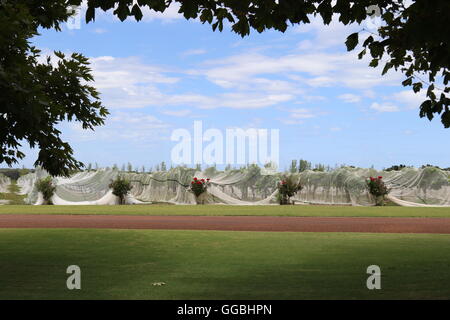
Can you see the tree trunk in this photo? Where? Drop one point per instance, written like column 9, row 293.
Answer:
column 379, row 201
column 201, row 198
column 285, row 200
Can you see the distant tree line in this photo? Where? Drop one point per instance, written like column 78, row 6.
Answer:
column 402, row 166
column 304, row 165
column 15, row 174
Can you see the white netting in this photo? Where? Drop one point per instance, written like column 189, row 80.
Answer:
column 249, row 186
column 4, row 183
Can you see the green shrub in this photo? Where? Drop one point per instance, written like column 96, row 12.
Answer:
column 120, row 188
column 46, row 187
column 287, row 188
column 378, row 189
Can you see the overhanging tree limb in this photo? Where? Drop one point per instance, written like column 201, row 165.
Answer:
column 37, row 96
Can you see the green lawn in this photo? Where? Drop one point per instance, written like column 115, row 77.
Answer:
column 224, row 210
column 124, row 264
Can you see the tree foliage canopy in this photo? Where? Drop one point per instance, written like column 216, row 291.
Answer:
column 38, row 95
column 412, row 39
column 120, row 188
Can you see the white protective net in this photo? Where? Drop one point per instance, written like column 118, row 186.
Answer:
column 4, row 183
column 248, row 186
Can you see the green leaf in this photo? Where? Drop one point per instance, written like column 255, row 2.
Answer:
column 407, row 82
column 206, row 16
column 425, row 109
column 352, row 41
column 90, row 14
column 136, row 12
column 362, row 54
column 368, row 41
column 445, row 118
column 417, row 87
column 374, row 63
column 430, row 92
column 122, row 11
column 386, row 68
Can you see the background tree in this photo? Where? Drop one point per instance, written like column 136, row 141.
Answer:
column 35, row 97
column 395, row 167
column 293, row 168
column 413, row 39
column 319, row 167
column 304, row 165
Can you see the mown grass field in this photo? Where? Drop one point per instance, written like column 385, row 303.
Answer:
column 124, row 264
column 225, row 210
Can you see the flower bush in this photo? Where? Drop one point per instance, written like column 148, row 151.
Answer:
column 287, row 188
column 46, row 187
column 378, row 189
column 198, row 186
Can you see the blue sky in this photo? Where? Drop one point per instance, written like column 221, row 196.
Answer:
column 165, row 72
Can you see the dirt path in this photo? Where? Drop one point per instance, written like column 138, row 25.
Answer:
column 232, row 223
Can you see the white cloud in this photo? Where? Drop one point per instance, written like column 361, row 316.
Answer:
column 321, row 82
column 111, row 72
column 298, row 116
column 319, row 69
column 128, row 126
column 130, row 83
column 384, row 107
column 291, row 122
column 409, row 99
column 325, row 36
column 193, row 52
column 177, row 113
column 169, row 15
column 252, row 101
column 350, row 98
column 301, row 113
column 100, row 30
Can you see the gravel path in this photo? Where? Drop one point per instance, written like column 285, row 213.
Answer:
column 231, row 223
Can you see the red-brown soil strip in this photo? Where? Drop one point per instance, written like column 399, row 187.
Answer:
column 231, row 223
